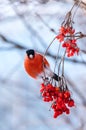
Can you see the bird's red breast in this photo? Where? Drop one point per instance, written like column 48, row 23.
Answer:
column 35, row 66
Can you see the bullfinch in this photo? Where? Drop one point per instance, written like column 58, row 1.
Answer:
column 37, row 66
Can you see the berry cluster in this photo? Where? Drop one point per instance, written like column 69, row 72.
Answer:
column 61, row 99
column 49, row 92
column 63, row 32
column 62, row 103
column 71, row 47
column 67, row 37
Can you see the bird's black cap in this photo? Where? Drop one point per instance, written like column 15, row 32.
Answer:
column 30, row 52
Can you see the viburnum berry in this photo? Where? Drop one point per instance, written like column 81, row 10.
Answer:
column 71, row 47
column 67, row 37
column 60, row 37
column 71, row 103
column 61, row 99
column 70, row 30
column 66, row 94
column 63, row 30
column 67, row 111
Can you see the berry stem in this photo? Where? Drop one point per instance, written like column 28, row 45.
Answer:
column 46, row 52
column 49, row 45
column 61, row 61
column 57, row 57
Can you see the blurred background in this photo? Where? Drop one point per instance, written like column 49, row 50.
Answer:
column 32, row 24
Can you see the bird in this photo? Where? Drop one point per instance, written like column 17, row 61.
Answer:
column 37, row 66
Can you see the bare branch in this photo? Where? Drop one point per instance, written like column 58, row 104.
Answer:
column 20, row 46
column 16, row 44
column 82, row 5
column 28, row 27
column 46, row 24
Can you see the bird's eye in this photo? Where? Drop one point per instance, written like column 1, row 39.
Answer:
column 31, row 56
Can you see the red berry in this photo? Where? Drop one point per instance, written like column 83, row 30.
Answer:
column 47, row 94
column 42, row 85
column 60, row 94
column 53, row 106
column 67, row 111
column 66, row 100
column 42, row 89
column 44, row 94
column 71, row 103
column 55, row 115
column 59, row 100
column 66, row 94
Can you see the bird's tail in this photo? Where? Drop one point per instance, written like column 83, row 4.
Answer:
column 56, row 77
column 50, row 73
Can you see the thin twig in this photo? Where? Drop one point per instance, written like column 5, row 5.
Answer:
column 57, row 57
column 20, row 47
